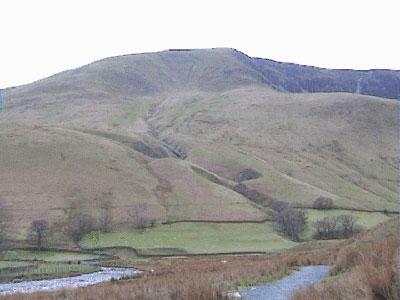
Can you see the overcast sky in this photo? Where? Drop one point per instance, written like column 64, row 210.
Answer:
column 40, row 38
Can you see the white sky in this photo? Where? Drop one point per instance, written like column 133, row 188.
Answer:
column 39, row 38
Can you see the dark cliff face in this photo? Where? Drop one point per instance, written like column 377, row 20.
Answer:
column 295, row 78
column 381, row 83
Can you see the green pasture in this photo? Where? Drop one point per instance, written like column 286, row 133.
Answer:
column 193, row 238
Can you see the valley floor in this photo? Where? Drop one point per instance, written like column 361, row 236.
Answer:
column 362, row 268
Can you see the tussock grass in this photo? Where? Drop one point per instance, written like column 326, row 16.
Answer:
column 199, row 278
column 367, row 272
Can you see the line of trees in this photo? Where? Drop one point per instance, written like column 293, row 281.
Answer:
column 290, row 221
column 79, row 223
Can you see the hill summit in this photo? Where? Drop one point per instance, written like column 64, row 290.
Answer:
column 215, row 69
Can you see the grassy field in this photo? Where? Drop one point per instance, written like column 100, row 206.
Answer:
column 13, row 264
column 49, row 256
column 50, row 268
column 194, row 238
column 50, row 264
column 127, row 257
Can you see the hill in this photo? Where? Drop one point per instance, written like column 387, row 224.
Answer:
column 195, row 135
column 216, row 69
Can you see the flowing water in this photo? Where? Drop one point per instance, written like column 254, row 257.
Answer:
column 284, row 288
column 106, row 274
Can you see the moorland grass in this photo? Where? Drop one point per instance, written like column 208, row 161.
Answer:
column 367, row 272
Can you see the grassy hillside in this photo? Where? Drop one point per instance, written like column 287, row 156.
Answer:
column 46, row 170
column 304, row 145
column 178, row 130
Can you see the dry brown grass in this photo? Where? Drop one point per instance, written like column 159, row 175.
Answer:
column 200, row 278
column 368, row 272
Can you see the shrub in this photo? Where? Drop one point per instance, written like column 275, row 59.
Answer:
column 323, row 203
column 336, row 227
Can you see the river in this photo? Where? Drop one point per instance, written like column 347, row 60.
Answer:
column 284, row 288
column 106, row 274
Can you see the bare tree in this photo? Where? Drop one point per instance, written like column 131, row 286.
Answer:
column 290, row 221
column 80, row 224
column 326, row 228
column 323, row 203
column 38, row 233
column 5, row 219
column 140, row 216
column 339, row 227
column 105, row 220
column 347, row 222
